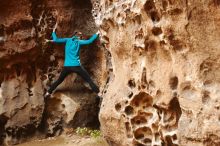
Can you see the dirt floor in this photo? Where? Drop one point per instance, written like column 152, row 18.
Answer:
column 68, row 140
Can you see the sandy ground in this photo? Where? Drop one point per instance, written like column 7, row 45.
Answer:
column 65, row 140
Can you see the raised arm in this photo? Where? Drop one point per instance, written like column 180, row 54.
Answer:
column 89, row 41
column 58, row 40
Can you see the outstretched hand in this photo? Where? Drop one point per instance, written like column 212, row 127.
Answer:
column 47, row 41
column 98, row 32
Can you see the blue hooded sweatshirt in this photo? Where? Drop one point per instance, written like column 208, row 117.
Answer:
column 72, row 48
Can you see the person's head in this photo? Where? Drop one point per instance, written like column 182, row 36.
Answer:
column 78, row 34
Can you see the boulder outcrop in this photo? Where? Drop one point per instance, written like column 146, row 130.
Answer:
column 28, row 64
column 165, row 84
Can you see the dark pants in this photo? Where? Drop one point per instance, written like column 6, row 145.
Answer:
column 75, row 69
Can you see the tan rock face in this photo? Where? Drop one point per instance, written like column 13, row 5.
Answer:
column 165, row 84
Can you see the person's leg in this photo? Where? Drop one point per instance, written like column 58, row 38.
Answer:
column 84, row 74
column 62, row 76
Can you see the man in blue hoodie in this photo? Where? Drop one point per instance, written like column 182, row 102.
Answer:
column 72, row 60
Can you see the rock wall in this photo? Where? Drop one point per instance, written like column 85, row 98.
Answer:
column 28, row 64
column 165, row 83
column 160, row 76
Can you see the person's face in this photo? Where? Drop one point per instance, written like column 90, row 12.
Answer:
column 79, row 34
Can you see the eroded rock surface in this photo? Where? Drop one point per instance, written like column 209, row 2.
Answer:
column 165, row 84
column 160, row 74
column 28, row 64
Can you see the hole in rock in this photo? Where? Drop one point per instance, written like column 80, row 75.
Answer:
column 207, row 82
column 162, row 43
column 164, row 4
column 205, row 97
column 127, row 126
column 144, row 77
column 158, row 93
column 174, row 137
column 43, row 77
column 143, row 132
column 141, row 118
column 173, row 82
column 177, row 45
column 175, row 94
column 150, row 45
column 139, row 87
column 169, row 140
column 139, row 136
column 156, row 30
column 131, row 83
column 154, row 16
column 152, row 83
column 147, row 141
column 129, row 110
column 137, row 19
column 139, row 144
column 118, row 107
column 142, row 99
column 175, row 107
column 149, row 5
column 130, row 94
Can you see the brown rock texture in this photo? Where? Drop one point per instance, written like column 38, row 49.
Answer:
column 158, row 68
column 28, row 64
column 164, row 88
